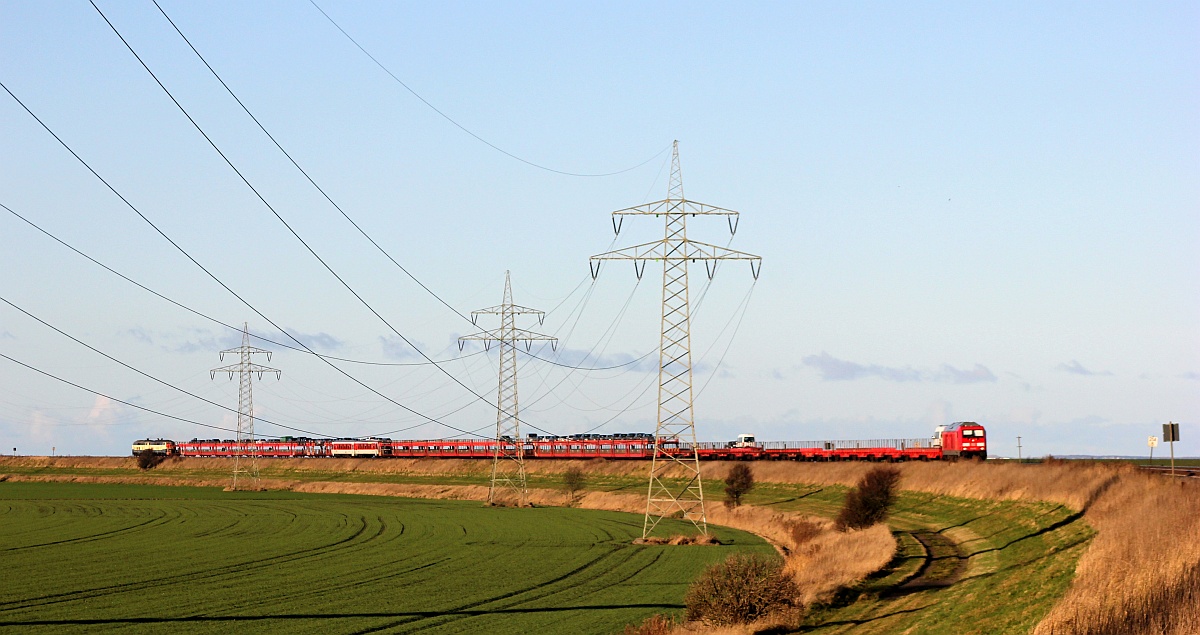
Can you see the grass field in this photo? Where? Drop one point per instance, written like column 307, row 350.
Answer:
column 1056, row 548
column 143, row 558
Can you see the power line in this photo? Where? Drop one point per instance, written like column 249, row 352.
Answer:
column 209, row 273
column 121, row 401
column 676, row 418
column 296, row 164
column 277, row 215
column 245, row 369
column 508, row 457
column 326, row 195
column 210, row 318
column 141, row 372
column 274, row 212
column 462, row 127
column 213, row 319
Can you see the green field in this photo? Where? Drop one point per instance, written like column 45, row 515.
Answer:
column 140, row 558
column 987, row 566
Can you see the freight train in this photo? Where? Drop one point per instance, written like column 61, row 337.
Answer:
column 964, row 439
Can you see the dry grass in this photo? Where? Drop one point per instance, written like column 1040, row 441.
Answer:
column 1142, row 572
column 834, row 559
column 653, row 625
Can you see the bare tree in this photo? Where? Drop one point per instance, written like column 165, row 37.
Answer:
column 574, row 481
column 738, row 483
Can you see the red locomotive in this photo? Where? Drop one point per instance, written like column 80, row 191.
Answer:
column 964, row 439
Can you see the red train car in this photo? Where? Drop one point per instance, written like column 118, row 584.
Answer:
column 963, row 439
column 271, row 448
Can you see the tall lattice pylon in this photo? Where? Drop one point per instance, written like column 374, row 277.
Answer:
column 246, row 448
column 508, row 458
column 675, row 434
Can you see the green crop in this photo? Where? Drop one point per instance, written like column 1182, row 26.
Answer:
column 84, row 557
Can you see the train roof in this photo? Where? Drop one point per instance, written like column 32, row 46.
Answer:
column 961, row 424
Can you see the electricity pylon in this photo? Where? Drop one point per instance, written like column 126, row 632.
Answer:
column 245, row 369
column 675, row 434
column 508, row 457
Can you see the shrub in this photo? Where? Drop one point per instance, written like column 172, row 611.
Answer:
column 870, row 500
column 737, row 484
column 802, row 531
column 574, row 480
column 147, row 459
column 653, row 625
column 739, row 590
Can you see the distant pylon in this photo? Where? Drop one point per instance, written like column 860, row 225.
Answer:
column 508, row 457
column 245, row 369
column 675, row 434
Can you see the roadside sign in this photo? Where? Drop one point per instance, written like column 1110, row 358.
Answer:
column 1171, row 435
column 1152, row 442
column 1170, row 432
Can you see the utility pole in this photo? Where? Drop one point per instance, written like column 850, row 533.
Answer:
column 675, row 433
column 508, row 457
column 245, row 369
column 1018, row 449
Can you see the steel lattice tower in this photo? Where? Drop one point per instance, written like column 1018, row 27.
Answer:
column 508, row 458
column 245, row 369
column 675, row 434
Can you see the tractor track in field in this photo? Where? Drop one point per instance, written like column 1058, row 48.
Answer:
column 241, row 567
column 465, row 610
column 943, row 564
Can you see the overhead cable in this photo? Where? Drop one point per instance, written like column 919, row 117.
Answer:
column 338, row 207
column 141, row 372
column 121, row 401
column 278, row 216
column 213, row 319
column 462, row 127
column 209, row 273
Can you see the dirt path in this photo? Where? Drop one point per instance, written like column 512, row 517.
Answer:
column 943, row 566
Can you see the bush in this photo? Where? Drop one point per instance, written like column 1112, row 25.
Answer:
column 739, row 590
column 802, row 531
column 147, row 459
column 653, row 625
column 870, row 500
column 574, row 480
column 738, row 483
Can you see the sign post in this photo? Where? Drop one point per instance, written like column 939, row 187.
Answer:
column 1171, row 435
column 1153, row 443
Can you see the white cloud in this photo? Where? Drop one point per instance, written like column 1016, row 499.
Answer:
column 834, row 369
column 1075, row 368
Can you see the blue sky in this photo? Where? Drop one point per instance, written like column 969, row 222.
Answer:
column 981, row 212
